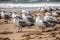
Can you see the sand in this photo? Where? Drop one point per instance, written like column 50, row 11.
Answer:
column 9, row 32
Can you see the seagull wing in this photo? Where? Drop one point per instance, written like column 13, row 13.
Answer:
column 22, row 23
column 52, row 19
column 7, row 16
column 46, row 23
column 30, row 18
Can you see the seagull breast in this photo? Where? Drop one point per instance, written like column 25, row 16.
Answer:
column 39, row 22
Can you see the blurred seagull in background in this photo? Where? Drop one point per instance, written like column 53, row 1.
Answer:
column 42, row 23
column 27, row 17
column 56, row 13
column 41, row 9
column 14, row 14
column 53, row 8
column 5, row 16
column 50, row 18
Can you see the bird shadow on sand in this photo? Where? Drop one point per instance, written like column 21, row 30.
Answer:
column 6, row 32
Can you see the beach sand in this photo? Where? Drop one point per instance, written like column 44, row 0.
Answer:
column 9, row 32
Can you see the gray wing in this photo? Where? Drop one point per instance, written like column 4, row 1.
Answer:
column 7, row 16
column 22, row 23
column 52, row 20
column 46, row 23
column 19, row 17
column 30, row 18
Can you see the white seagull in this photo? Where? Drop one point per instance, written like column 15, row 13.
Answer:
column 27, row 17
column 13, row 15
column 48, row 8
column 18, row 21
column 42, row 9
column 5, row 16
column 50, row 18
column 40, row 22
column 56, row 13
column 53, row 8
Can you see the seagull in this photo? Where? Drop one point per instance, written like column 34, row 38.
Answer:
column 42, row 9
column 27, row 17
column 18, row 21
column 2, row 14
column 56, row 13
column 5, row 16
column 40, row 22
column 53, row 8
column 50, row 18
column 14, row 14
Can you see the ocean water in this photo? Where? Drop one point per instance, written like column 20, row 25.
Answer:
column 27, row 1
column 27, row 4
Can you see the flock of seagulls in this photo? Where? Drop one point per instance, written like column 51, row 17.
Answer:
column 27, row 19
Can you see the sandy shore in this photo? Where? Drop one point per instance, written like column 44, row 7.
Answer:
column 9, row 32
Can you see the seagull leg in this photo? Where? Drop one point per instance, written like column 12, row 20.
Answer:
column 43, row 28
column 19, row 29
column 40, row 29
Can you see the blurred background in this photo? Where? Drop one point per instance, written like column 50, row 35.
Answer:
column 27, row 1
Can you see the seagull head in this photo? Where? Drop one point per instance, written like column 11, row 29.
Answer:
column 39, row 16
column 24, row 11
